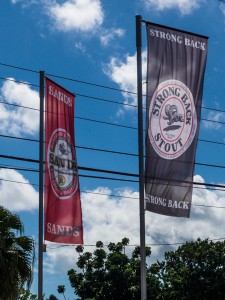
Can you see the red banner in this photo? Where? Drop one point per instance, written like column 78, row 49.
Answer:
column 63, row 216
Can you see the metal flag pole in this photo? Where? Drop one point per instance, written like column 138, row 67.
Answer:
column 141, row 157
column 41, row 155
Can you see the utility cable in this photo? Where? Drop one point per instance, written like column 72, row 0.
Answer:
column 50, row 246
column 102, row 150
column 87, row 83
column 69, row 79
column 111, row 195
column 103, row 171
column 76, row 94
column 111, row 152
column 77, row 117
column 102, row 122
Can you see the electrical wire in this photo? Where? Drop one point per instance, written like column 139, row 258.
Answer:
column 89, row 83
column 110, row 123
column 105, row 150
column 135, row 245
column 103, row 171
column 76, row 117
column 20, row 82
column 111, row 195
column 69, row 79
column 78, row 147
column 76, row 94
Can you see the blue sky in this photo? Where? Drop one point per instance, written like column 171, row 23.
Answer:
column 93, row 41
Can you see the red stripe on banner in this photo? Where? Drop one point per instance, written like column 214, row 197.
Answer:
column 63, row 216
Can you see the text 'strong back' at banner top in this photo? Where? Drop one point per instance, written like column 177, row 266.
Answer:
column 175, row 74
column 63, row 216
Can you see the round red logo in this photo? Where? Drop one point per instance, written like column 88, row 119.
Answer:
column 172, row 119
column 62, row 164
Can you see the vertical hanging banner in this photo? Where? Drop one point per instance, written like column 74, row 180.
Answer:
column 175, row 75
column 63, row 216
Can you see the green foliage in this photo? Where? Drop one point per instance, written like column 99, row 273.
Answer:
column 26, row 295
column 109, row 274
column 16, row 256
column 195, row 270
column 61, row 290
column 52, row 297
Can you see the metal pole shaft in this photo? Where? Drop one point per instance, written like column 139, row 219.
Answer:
column 141, row 157
column 41, row 160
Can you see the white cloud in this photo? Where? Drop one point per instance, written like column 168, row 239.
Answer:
column 109, row 35
column 59, row 259
column 114, row 217
column 14, row 119
column 80, row 15
column 184, row 6
column 25, row 3
column 16, row 196
column 222, row 8
column 124, row 73
column 105, row 218
column 80, row 46
column 216, row 118
column 109, row 219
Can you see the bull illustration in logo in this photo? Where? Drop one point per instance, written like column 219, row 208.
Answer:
column 172, row 115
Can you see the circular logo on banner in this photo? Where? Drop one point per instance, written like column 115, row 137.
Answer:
column 172, row 119
column 62, row 164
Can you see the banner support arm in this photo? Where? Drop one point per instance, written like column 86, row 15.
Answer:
column 141, row 156
column 41, row 162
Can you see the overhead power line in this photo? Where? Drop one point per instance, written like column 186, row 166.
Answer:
column 99, row 121
column 76, row 94
column 19, row 81
column 87, row 83
column 76, row 117
column 69, row 79
column 105, row 151
column 103, row 171
column 51, row 247
column 110, row 195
